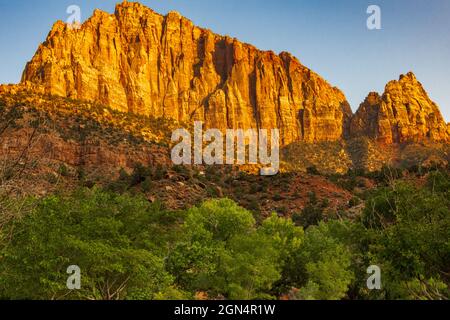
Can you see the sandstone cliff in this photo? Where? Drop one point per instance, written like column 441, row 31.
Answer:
column 404, row 113
column 139, row 61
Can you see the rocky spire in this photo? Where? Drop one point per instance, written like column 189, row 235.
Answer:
column 403, row 113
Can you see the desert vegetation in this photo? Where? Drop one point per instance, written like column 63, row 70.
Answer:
column 129, row 248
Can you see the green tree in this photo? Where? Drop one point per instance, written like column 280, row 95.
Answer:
column 326, row 263
column 287, row 240
column 106, row 235
column 223, row 254
column 413, row 247
column 312, row 213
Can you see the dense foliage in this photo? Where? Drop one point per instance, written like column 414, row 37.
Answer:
column 128, row 248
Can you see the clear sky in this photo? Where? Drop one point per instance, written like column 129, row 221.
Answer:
column 328, row 36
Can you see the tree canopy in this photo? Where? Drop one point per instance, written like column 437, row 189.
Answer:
column 128, row 248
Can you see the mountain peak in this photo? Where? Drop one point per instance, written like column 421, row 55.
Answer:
column 403, row 113
column 410, row 76
column 142, row 62
column 139, row 61
column 127, row 7
column 373, row 97
column 130, row 4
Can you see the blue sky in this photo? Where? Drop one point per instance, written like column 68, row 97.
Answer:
column 329, row 36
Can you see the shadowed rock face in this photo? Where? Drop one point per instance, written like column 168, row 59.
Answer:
column 404, row 113
column 139, row 61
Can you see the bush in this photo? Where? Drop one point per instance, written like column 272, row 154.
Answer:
column 147, row 185
column 312, row 171
column 223, row 254
column 277, row 197
column 139, row 175
column 412, row 224
column 106, row 235
column 220, row 250
column 312, row 213
column 326, row 263
column 159, row 173
column 63, row 171
column 355, row 201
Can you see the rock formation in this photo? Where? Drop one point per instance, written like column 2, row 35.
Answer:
column 404, row 113
column 139, row 61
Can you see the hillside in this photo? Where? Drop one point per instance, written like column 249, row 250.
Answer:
column 87, row 178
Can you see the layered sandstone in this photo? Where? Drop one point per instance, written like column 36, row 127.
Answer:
column 404, row 113
column 136, row 60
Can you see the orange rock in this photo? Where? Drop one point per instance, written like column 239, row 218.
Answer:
column 139, row 61
column 404, row 113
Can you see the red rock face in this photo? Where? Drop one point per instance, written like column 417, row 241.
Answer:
column 139, row 61
column 136, row 60
column 404, row 113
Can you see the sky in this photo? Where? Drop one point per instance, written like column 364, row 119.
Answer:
column 329, row 36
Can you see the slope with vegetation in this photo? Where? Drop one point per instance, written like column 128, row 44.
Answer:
column 128, row 248
column 90, row 182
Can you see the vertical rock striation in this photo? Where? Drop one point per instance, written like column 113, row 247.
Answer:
column 404, row 113
column 139, row 61
column 136, row 60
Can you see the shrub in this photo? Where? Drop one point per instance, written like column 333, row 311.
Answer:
column 106, row 235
